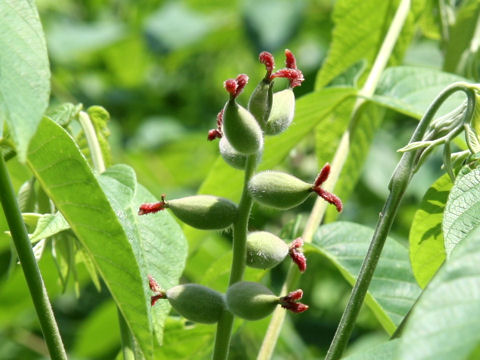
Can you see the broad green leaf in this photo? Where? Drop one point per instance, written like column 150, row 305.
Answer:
column 311, row 110
column 410, row 90
column 393, row 289
column 444, row 323
column 65, row 176
column 385, row 351
column 427, row 251
column 25, row 77
column 460, row 36
column 463, row 208
column 156, row 239
column 360, row 27
column 49, row 225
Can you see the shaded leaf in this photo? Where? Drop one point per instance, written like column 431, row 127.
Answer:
column 427, row 251
column 25, row 72
column 385, row 351
column 69, row 182
column 393, row 289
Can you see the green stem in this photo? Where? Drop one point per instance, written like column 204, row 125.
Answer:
column 127, row 339
column 398, row 184
column 29, row 265
column 341, row 154
column 240, row 229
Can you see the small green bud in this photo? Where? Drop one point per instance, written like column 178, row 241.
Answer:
column 196, row 302
column 282, row 113
column 204, row 211
column 278, row 189
column 265, row 250
column 250, row 300
column 241, row 129
column 260, row 102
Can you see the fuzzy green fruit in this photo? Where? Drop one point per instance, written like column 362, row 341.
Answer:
column 282, row 113
column 241, row 129
column 196, row 302
column 265, row 250
column 204, row 211
column 260, row 102
column 232, row 157
column 250, row 300
column 278, row 189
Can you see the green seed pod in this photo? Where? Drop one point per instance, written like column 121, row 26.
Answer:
column 265, row 250
column 204, row 211
column 196, row 302
column 282, row 113
column 241, row 129
column 250, row 300
column 260, row 102
column 278, row 189
column 232, row 157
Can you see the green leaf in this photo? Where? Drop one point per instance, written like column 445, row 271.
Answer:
column 360, row 28
column 444, row 323
column 427, row 251
column 49, row 225
column 25, row 72
column 410, row 90
column 64, row 114
column 385, row 351
column 69, row 182
column 462, row 209
column 393, row 289
column 156, row 239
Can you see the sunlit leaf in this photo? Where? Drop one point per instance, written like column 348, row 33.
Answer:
column 25, row 76
column 427, row 251
column 69, row 182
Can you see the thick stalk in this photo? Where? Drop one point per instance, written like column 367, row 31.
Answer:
column 240, row 230
column 340, row 157
column 29, row 265
column 397, row 186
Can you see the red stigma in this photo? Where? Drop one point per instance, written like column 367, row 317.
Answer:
column 290, row 61
column 289, row 302
column 324, row 194
column 297, row 255
column 236, row 86
column 160, row 294
column 294, row 75
column 267, row 59
column 151, row 208
column 216, row 133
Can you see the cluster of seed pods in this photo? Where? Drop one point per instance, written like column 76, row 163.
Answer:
column 241, row 132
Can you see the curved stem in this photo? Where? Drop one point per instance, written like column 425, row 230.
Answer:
column 29, row 265
column 398, row 184
column 240, row 230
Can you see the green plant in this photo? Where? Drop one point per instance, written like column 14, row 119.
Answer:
column 74, row 224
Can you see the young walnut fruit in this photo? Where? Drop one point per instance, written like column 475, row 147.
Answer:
column 250, row 300
column 265, row 250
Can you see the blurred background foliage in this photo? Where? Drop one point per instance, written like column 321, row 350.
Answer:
column 158, row 67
